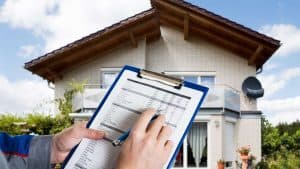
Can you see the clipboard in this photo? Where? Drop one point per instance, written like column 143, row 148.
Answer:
column 158, row 78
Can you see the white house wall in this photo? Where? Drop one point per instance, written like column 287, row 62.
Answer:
column 90, row 71
column 170, row 53
column 173, row 53
column 248, row 131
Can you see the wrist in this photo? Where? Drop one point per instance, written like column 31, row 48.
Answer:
column 53, row 159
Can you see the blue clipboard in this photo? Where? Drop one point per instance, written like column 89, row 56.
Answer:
column 137, row 70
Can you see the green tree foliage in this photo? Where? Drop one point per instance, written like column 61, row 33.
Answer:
column 65, row 103
column 280, row 146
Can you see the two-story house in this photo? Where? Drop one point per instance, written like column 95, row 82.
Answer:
column 182, row 40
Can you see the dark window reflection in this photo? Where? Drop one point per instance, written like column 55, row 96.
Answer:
column 179, row 158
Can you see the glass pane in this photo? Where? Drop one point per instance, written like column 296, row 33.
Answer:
column 179, row 158
column 193, row 79
column 208, row 80
column 197, row 145
column 108, row 78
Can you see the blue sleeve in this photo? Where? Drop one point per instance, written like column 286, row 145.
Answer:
column 17, row 145
column 26, row 151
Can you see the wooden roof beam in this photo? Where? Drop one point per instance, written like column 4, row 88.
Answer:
column 255, row 55
column 209, row 22
column 170, row 20
column 53, row 74
column 186, row 26
column 83, row 60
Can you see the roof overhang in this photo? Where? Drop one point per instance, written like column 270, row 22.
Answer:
column 127, row 32
column 195, row 21
column 191, row 20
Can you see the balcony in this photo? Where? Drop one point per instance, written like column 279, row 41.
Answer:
column 89, row 99
column 219, row 96
column 222, row 96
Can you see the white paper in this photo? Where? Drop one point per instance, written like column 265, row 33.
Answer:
column 129, row 98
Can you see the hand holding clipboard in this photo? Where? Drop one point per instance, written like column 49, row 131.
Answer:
column 132, row 92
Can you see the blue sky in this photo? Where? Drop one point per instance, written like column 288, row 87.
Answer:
column 27, row 30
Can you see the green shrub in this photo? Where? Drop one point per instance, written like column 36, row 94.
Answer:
column 39, row 123
column 33, row 124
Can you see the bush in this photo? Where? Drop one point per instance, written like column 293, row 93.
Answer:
column 33, row 124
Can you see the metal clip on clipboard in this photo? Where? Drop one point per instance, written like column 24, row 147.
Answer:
column 167, row 80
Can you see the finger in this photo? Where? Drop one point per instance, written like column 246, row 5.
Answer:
column 90, row 133
column 164, row 134
column 156, row 126
column 143, row 121
column 169, row 147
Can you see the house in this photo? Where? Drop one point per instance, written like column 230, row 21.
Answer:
column 182, row 40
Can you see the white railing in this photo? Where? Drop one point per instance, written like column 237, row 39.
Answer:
column 222, row 96
column 89, row 98
column 219, row 96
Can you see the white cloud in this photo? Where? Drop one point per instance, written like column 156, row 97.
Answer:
column 29, row 51
column 274, row 82
column 56, row 22
column 270, row 66
column 59, row 22
column 289, row 36
column 24, row 96
column 281, row 110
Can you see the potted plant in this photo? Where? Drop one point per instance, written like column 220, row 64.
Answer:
column 244, row 155
column 221, row 164
column 251, row 160
column 244, row 151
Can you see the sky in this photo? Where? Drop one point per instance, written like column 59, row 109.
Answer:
column 29, row 28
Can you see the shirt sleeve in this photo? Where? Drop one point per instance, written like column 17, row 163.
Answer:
column 40, row 152
column 26, row 151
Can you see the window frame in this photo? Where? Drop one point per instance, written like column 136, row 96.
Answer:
column 192, row 73
column 104, row 70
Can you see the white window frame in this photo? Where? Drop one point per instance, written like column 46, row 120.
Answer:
column 107, row 70
column 188, row 73
column 198, row 119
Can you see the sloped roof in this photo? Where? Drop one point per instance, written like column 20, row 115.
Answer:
column 191, row 19
column 223, row 20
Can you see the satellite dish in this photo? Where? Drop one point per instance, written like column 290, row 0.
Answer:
column 252, row 88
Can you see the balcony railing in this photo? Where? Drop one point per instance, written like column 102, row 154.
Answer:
column 219, row 96
column 89, row 99
column 222, row 96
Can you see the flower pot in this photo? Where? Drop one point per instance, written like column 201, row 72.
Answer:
column 244, row 157
column 244, row 154
column 221, row 166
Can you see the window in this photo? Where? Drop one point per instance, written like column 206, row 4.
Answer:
column 108, row 76
column 207, row 80
column 194, row 152
column 204, row 80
